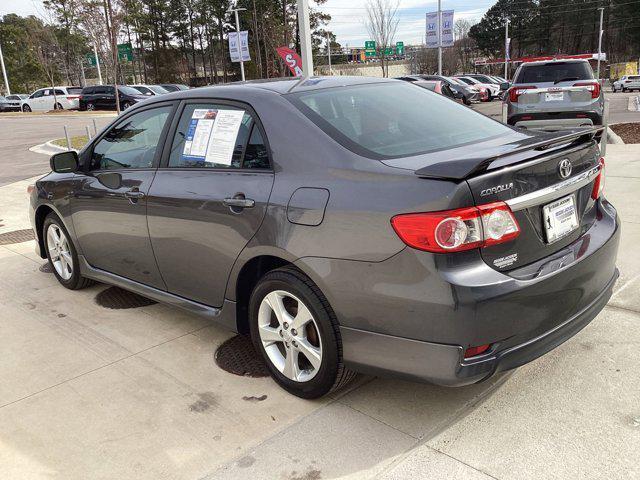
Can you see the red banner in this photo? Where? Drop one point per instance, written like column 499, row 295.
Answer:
column 292, row 59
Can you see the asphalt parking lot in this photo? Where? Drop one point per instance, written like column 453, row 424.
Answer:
column 90, row 392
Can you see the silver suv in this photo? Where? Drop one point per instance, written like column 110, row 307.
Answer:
column 555, row 95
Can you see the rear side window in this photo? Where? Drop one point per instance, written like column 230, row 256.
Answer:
column 634, row 78
column 88, row 91
column 217, row 136
column 554, row 72
column 395, row 119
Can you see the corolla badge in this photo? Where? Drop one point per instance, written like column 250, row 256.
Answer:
column 497, row 189
column 564, row 168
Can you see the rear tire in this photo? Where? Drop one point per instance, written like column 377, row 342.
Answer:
column 296, row 331
column 90, row 107
column 58, row 106
column 62, row 254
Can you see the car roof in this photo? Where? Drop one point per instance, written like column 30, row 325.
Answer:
column 555, row 60
column 298, row 84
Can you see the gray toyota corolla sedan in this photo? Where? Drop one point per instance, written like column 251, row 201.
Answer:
column 347, row 224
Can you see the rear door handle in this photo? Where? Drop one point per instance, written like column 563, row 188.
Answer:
column 239, row 202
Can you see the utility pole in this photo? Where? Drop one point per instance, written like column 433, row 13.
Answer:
column 95, row 54
column 114, row 48
column 439, row 37
column 305, row 38
column 4, row 72
column 600, row 42
column 236, row 10
column 329, row 52
column 506, row 48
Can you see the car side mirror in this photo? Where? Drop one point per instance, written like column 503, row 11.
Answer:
column 65, row 162
column 504, row 86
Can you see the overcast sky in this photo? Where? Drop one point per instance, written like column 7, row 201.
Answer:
column 347, row 16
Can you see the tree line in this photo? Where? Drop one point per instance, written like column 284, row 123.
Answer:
column 182, row 41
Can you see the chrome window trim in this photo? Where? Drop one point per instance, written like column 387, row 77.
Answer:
column 554, row 191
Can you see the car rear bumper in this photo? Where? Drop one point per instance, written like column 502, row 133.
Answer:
column 414, row 314
column 442, row 364
column 555, row 120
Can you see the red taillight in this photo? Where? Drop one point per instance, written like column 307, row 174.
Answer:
column 515, row 92
column 72, row 97
column 598, row 185
column 473, row 351
column 594, row 88
column 457, row 230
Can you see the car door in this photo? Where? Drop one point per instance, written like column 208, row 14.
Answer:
column 46, row 102
column 209, row 196
column 109, row 203
column 34, row 100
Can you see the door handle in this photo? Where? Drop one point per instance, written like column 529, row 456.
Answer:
column 239, row 201
column 134, row 195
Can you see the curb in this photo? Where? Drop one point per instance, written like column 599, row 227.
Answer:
column 48, row 148
column 613, row 137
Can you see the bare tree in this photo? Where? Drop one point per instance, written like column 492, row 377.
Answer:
column 382, row 24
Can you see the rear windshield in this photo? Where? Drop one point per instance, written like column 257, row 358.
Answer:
column 74, row 90
column 554, row 72
column 395, row 119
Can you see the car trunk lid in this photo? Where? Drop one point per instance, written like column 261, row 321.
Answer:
column 532, row 176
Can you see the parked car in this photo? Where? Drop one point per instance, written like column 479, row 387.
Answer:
column 492, row 89
column 102, row 97
column 468, row 94
column 484, row 78
column 150, row 90
column 434, row 86
column 398, row 233
column 57, row 98
column 17, row 97
column 554, row 95
column 626, row 83
column 174, row 87
column 9, row 105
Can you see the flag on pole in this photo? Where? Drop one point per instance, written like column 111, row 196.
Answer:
column 292, row 59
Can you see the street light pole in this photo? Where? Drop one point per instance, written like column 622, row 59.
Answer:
column 329, row 52
column 114, row 48
column 439, row 37
column 506, row 48
column 239, row 48
column 4, row 72
column 305, row 38
column 95, row 54
column 600, row 42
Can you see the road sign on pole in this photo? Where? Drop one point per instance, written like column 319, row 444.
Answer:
column 369, row 48
column 125, row 52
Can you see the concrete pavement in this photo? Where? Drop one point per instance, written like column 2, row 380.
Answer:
column 19, row 132
column 92, row 393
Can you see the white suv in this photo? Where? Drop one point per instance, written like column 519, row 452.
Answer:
column 628, row 82
column 56, row 98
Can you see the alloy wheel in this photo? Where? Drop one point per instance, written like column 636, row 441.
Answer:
column 59, row 251
column 290, row 336
column 90, row 107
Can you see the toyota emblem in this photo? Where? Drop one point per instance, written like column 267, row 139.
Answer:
column 564, row 168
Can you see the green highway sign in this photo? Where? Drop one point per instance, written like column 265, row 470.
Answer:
column 370, row 48
column 125, row 52
column 388, row 51
column 399, row 48
column 90, row 59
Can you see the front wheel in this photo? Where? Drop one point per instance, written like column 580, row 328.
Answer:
column 296, row 331
column 62, row 254
column 26, row 108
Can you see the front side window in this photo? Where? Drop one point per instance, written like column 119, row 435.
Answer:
column 132, row 143
column 217, row 136
column 394, row 119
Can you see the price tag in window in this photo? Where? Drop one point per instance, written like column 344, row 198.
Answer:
column 211, row 135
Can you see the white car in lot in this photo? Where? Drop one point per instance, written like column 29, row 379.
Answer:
column 626, row 83
column 56, row 98
column 492, row 88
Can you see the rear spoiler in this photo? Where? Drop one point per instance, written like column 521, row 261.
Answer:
column 466, row 167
